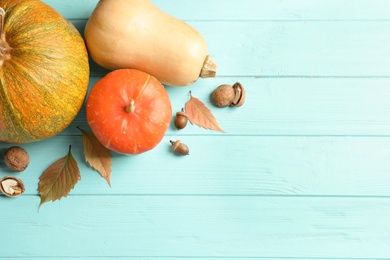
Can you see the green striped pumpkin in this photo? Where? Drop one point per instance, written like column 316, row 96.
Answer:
column 44, row 71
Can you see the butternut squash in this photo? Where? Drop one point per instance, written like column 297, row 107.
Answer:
column 136, row 34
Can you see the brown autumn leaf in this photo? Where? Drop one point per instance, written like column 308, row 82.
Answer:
column 200, row 115
column 97, row 155
column 58, row 179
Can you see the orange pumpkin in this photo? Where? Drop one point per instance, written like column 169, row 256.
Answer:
column 44, row 71
column 129, row 111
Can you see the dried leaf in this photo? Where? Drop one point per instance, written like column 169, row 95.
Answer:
column 200, row 115
column 97, row 155
column 57, row 181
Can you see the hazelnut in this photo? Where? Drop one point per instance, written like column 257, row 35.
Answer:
column 11, row 186
column 181, row 119
column 223, row 95
column 16, row 158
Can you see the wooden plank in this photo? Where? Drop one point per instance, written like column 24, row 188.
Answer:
column 302, row 171
column 287, row 106
column 73, row 9
column 232, row 165
column 294, row 49
column 193, row 226
column 299, row 49
column 297, row 10
column 188, row 258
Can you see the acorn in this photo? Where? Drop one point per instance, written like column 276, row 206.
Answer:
column 180, row 148
column 181, row 119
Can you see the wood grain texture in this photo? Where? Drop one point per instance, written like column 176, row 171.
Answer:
column 221, row 227
column 238, row 165
column 302, row 172
column 297, row 10
column 288, row 106
column 293, row 48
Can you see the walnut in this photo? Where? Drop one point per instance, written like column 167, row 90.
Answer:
column 11, row 186
column 16, row 158
column 223, row 95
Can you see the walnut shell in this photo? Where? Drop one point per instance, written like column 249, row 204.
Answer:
column 11, row 186
column 223, row 95
column 239, row 97
column 16, row 158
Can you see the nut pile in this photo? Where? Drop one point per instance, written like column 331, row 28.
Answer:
column 223, row 96
column 17, row 159
column 227, row 95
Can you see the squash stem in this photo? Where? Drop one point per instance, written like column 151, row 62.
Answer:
column 5, row 49
column 130, row 107
column 209, row 69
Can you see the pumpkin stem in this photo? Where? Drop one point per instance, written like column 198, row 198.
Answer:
column 130, row 107
column 5, row 49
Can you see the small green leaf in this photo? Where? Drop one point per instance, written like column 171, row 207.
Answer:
column 58, row 179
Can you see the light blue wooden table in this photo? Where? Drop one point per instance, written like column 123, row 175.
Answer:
column 302, row 172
